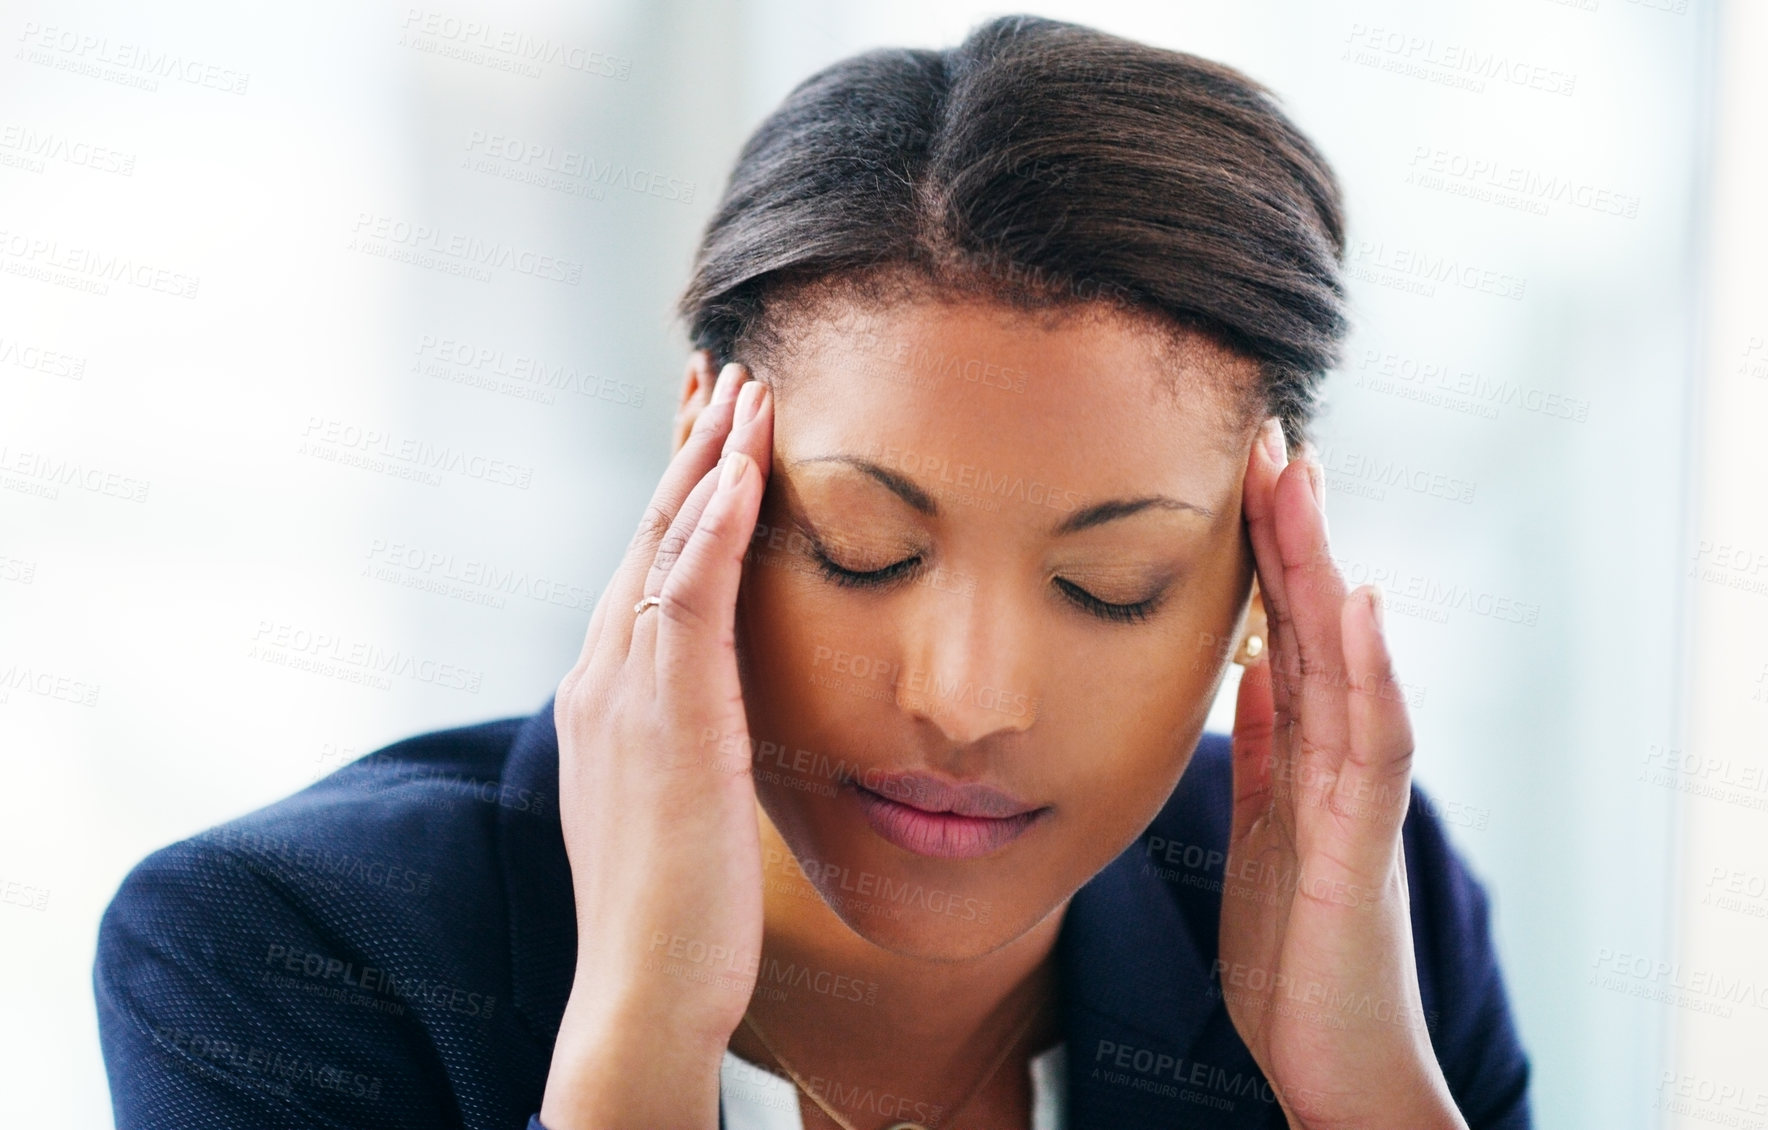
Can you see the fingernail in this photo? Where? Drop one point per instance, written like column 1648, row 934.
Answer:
column 1317, row 480
column 1377, row 605
column 727, row 380
column 1273, row 430
column 735, row 463
column 749, row 401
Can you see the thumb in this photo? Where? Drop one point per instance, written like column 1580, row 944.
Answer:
column 1254, row 730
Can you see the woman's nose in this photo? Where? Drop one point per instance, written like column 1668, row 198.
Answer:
column 968, row 665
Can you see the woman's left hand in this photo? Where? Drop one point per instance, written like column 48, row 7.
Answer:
column 1316, row 964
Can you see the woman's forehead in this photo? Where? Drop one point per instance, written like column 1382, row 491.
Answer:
column 971, row 398
column 974, row 371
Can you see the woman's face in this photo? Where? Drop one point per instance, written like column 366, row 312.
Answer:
column 1058, row 571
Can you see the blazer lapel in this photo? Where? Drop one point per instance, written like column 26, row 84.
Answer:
column 1136, row 991
column 537, row 883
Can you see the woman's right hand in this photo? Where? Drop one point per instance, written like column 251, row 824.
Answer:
column 657, row 800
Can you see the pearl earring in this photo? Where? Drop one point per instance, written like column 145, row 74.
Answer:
column 1250, row 650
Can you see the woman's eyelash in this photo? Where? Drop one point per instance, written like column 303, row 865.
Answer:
column 853, row 579
column 1104, row 610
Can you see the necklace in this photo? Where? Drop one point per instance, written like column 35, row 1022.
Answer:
column 1001, row 1058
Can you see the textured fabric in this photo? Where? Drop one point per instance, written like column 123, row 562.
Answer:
column 393, row 947
column 753, row 1098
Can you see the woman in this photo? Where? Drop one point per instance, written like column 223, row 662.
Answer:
column 879, row 794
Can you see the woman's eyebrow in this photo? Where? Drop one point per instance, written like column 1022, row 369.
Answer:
column 1085, row 518
column 1101, row 512
column 901, row 487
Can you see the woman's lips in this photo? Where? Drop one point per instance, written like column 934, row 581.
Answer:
column 924, row 815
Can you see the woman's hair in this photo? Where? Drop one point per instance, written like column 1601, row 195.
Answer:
column 1044, row 165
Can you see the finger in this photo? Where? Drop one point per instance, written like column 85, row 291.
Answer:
column 745, row 436
column 1251, row 749
column 686, row 519
column 1263, row 471
column 707, row 431
column 1315, row 594
column 1262, row 468
column 695, row 625
column 610, row 626
column 1376, row 778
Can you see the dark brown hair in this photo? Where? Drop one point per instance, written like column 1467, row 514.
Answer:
column 1039, row 164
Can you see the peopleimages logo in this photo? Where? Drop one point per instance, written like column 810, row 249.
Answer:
column 391, row 986
column 328, row 438
column 522, row 375
column 575, row 166
column 475, row 41
column 1484, row 175
column 97, row 57
column 1419, row 271
column 377, row 233
column 281, row 642
column 1453, row 64
column 47, row 361
column 30, row 148
column 43, row 474
column 86, row 268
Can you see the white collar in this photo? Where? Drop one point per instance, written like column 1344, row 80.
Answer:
column 754, row 1098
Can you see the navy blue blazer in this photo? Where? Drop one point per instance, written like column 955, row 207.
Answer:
column 393, row 945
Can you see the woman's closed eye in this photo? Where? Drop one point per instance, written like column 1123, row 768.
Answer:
column 1079, row 597
column 855, row 578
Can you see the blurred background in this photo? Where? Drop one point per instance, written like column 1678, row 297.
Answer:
column 340, row 330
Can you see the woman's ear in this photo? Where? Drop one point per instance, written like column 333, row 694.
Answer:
column 1253, row 641
column 696, row 393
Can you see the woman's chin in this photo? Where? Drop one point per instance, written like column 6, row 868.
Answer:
column 912, row 905
column 923, row 935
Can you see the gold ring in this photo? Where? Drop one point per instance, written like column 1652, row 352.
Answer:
column 647, row 602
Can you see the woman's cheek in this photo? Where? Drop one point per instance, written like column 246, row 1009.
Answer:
column 1148, row 707
column 795, row 627
column 766, row 611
